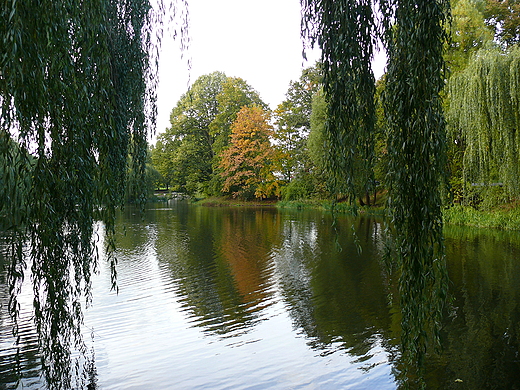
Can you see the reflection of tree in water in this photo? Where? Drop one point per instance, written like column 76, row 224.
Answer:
column 225, row 264
column 336, row 296
column 481, row 340
column 247, row 250
column 221, row 264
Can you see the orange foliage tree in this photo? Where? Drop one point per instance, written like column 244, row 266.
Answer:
column 250, row 162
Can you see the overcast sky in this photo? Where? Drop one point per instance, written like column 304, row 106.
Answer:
column 258, row 41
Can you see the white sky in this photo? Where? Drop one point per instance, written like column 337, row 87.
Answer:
column 258, row 41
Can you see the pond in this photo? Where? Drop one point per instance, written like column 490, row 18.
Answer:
column 260, row 298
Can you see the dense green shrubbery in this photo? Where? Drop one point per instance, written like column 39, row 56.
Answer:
column 297, row 189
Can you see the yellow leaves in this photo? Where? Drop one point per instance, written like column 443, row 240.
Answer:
column 247, row 163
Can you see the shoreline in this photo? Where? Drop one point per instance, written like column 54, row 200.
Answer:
column 503, row 217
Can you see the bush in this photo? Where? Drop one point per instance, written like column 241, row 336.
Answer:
column 297, row 189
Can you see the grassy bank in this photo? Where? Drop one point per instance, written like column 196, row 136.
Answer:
column 327, row 205
column 231, row 202
column 504, row 217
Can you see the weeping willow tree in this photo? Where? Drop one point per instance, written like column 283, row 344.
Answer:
column 77, row 93
column 417, row 160
column 414, row 35
column 484, row 118
column 345, row 32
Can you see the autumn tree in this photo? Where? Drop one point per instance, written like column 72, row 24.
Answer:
column 187, row 154
column 248, row 163
column 236, row 93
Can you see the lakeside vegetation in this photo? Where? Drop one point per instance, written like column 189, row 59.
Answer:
column 437, row 134
column 504, row 217
column 225, row 142
column 84, row 113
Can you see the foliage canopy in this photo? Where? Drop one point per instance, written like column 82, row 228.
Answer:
column 484, row 118
column 504, row 17
column 77, row 92
column 188, row 153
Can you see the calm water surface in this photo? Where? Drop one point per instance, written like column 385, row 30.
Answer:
column 256, row 298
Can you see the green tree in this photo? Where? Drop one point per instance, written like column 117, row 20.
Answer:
column 161, row 154
column 77, row 88
column 484, row 118
column 469, row 33
column 248, row 164
column 236, row 93
column 184, row 153
column 292, row 122
column 316, row 142
column 504, row 17
column 317, row 145
column 136, row 186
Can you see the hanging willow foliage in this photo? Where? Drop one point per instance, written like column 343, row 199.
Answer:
column 345, row 32
column 77, row 93
column 417, row 155
column 484, row 116
column 414, row 35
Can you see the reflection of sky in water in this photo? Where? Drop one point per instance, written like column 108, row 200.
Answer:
column 171, row 321
column 236, row 298
column 28, row 337
column 153, row 339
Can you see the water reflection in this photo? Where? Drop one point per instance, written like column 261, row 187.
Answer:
column 28, row 344
column 235, row 268
column 242, row 297
column 222, row 270
column 337, row 297
column 481, row 339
